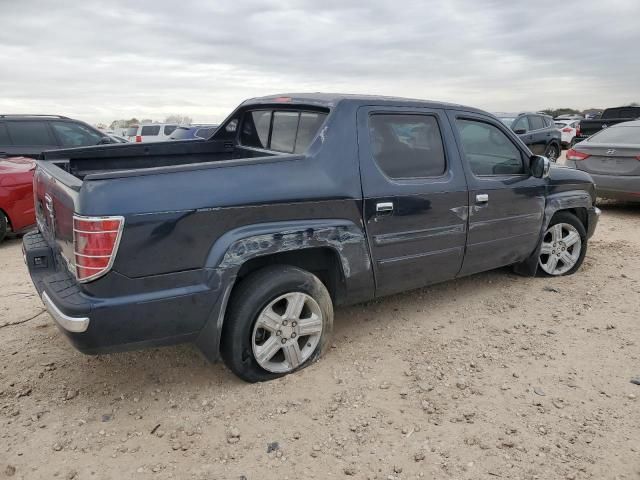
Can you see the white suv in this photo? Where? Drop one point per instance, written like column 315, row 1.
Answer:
column 152, row 132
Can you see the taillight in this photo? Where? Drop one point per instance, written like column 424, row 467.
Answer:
column 575, row 155
column 95, row 244
column 578, row 130
column 566, row 130
column 138, row 138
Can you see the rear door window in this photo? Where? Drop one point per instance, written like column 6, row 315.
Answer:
column 535, row 122
column 407, row 146
column 75, row 135
column 4, row 135
column 30, row 133
column 150, row 130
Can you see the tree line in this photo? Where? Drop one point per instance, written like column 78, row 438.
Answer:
column 177, row 119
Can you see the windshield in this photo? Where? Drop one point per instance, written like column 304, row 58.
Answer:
column 508, row 121
column 617, row 135
column 181, row 133
column 561, row 124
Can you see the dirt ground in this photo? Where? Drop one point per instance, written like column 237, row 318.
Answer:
column 491, row 376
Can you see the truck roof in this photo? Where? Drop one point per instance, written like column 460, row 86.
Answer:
column 330, row 100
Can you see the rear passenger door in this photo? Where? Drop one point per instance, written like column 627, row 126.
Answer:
column 415, row 196
column 506, row 201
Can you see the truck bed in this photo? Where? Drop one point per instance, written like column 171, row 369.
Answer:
column 103, row 161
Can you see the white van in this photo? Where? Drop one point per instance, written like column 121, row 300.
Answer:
column 152, row 132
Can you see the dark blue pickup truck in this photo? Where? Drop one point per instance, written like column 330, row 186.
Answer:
column 244, row 242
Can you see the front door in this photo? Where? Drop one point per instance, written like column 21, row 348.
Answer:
column 506, row 201
column 415, row 196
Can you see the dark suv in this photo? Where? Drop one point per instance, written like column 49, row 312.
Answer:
column 537, row 131
column 30, row 135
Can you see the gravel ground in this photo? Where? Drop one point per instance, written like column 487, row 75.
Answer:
column 491, row 376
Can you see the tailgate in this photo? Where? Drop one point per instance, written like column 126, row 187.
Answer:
column 55, row 195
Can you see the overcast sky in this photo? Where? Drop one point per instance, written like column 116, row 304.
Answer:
column 105, row 60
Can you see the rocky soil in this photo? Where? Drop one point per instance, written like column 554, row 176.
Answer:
column 487, row 377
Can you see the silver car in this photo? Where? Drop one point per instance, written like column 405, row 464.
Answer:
column 612, row 157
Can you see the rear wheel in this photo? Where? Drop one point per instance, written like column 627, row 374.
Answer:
column 280, row 320
column 4, row 226
column 552, row 152
column 564, row 246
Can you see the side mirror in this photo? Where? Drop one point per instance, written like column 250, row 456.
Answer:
column 540, row 166
column 520, row 131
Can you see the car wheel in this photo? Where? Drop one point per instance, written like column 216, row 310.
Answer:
column 552, row 152
column 564, row 245
column 280, row 320
column 4, row 226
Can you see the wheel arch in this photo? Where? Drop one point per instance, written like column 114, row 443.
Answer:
column 334, row 250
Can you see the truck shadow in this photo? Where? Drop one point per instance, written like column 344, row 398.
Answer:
column 182, row 366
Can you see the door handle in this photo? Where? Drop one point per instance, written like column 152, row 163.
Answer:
column 384, row 208
column 482, row 198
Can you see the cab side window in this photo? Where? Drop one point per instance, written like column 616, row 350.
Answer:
column 30, row 133
column 488, row 150
column 407, row 146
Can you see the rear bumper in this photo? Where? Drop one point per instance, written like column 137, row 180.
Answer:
column 138, row 319
column 619, row 187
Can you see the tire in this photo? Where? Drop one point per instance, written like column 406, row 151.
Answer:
column 261, row 329
column 560, row 242
column 4, row 226
column 552, row 152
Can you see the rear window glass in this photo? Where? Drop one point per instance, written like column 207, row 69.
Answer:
column 150, row 130
column 407, row 146
column 30, row 133
column 4, row 136
column 169, row 129
column 617, row 135
column 284, row 131
column 131, row 131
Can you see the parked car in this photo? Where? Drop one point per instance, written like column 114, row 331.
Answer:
column 609, row 117
column 537, row 131
column 30, row 135
column 568, row 129
column 187, row 132
column 245, row 242
column 612, row 158
column 16, row 195
column 117, row 138
column 153, row 132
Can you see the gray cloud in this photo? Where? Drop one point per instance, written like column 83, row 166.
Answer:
column 99, row 60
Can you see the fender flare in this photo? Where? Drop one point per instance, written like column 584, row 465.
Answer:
column 555, row 202
column 237, row 246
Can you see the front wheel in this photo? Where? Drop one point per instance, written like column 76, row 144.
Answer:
column 280, row 320
column 552, row 152
column 564, row 246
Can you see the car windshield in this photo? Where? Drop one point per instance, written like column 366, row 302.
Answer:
column 617, row 135
column 181, row 133
column 508, row 121
column 561, row 124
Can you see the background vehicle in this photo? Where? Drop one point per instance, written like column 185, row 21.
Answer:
column 243, row 243
column 537, row 131
column 609, row 117
column 568, row 129
column 153, row 132
column 612, row 158
column 30, row 135
column 16, row 195
column 187, row 132
column 569, row 117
